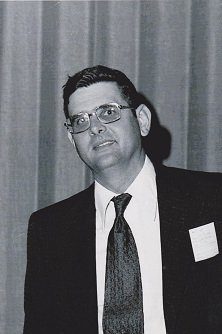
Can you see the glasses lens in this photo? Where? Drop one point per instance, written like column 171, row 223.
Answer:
column 80, row 123
column 108, row 113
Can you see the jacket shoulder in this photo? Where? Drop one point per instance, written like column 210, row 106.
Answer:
column 193, row 184
column 174, row 174
column 64, row 208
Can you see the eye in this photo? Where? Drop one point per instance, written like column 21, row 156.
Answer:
column 80, row 120
column 109, row 111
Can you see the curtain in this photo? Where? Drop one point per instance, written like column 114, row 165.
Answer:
column 170, row 49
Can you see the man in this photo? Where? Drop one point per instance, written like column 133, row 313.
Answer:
column 139, row 250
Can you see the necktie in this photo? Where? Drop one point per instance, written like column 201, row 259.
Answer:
column 123, row 301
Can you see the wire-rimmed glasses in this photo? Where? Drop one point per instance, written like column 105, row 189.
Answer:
column 106, row 113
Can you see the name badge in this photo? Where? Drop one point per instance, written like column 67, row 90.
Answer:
column 204, row 242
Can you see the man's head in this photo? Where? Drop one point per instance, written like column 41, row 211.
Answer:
column 108, row 139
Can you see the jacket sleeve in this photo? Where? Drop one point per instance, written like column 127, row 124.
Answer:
column 36, row 303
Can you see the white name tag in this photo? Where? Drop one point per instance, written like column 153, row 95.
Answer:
column 204, row 242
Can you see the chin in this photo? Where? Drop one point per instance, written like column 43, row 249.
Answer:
column 103, row 163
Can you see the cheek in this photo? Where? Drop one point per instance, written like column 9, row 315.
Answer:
column 81, row 145
column 131, row 131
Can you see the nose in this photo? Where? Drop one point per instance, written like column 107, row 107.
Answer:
column 96, row 127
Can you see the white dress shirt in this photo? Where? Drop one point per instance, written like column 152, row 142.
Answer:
column 142, row 215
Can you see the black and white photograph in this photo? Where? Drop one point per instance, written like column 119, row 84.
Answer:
column 111, row 167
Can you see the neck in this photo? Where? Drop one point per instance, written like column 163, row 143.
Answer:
column 117, row 179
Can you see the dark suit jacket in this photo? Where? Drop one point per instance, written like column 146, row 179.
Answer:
column 60, row 286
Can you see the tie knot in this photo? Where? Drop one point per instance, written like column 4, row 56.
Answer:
column 121, row 202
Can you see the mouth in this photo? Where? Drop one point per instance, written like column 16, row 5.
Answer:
column 104, row 144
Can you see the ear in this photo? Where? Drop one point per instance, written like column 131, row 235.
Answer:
column 143, row 115
column 70, row 138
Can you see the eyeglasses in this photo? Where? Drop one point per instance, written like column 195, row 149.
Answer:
column 106, row 113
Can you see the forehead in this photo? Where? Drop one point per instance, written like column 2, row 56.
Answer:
column 87, row 98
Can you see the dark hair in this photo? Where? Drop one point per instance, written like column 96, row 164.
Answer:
column 95, row 74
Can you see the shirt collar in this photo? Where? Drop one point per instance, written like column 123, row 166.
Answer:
column 103, row 197
column 137, row 188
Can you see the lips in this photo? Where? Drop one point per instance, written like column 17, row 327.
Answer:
column 103, row 144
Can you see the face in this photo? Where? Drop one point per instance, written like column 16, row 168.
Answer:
column 115, row 145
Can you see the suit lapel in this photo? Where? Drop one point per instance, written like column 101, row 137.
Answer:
column 84, row 261
column 175, row 247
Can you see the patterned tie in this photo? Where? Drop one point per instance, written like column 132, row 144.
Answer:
column 123, row 302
